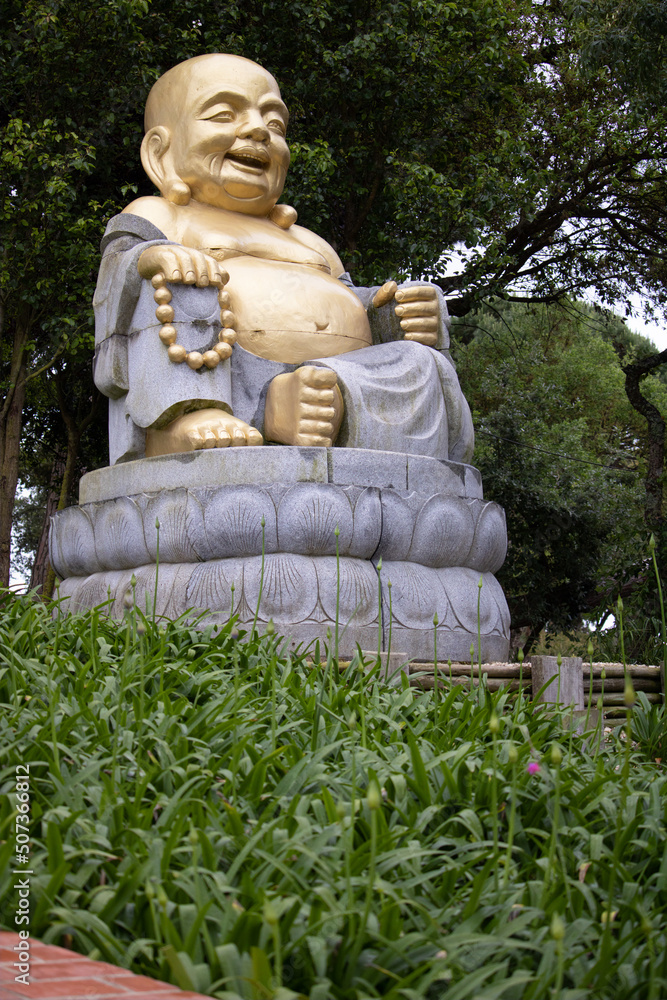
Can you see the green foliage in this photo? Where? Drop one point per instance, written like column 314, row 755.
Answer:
column 219, row 814
column 559, row 448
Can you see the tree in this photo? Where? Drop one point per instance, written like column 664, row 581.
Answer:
column 559, row 447
column 417, row 126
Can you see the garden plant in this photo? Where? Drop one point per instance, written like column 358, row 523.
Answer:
column 213, row 810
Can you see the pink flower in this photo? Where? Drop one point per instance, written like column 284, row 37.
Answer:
column 533, row 767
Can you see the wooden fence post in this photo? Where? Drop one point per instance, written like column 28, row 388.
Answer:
column 566, row 689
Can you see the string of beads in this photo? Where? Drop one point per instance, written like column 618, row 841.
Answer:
column 164, row 313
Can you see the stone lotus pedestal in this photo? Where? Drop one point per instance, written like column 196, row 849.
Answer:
column 426, row 519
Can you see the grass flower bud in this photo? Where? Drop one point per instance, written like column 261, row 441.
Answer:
column 352, row 722
column 619, row 603
column 270, row 627
column 603, row 674
column 162, row 899
column 494, row 723
column 262, row 521
column 629, row 696
column 472, row 651
column 128, row 600
column 270, row 913
column 481, row 582
column 533, row 767
column 379, row 564
column 557, row 928
column 374, row 796
column 336, row 531
column 559, row 661
column 589, row 649
column 607, row 917
column 435, row 619
column 651, row 543
column 556, row 756
column 520, row 656
column 157, row 523
column 193, row 837
column 512, row 754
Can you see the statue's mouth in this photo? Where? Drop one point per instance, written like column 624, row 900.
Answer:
column 250, row 159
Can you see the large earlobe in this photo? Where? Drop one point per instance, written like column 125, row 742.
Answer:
column 156, row 161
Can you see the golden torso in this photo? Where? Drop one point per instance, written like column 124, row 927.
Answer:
column 283, row 283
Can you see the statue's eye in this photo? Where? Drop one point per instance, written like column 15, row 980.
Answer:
column 277, row 125
column 223, row 115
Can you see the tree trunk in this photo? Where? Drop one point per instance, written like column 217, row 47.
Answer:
column 11, row 419
column 42, row 577
column 634, row 373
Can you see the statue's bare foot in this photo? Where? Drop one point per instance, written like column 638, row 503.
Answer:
column 304, row 407
column 209, row 428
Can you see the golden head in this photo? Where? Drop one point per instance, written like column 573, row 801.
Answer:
column 215, row 132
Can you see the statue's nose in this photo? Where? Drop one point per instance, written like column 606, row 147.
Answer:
column 254, row 127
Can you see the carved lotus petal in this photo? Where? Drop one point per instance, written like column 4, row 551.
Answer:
column 233, row 522
column 289, row 591
column 398, row 518
column 461, row 586
column 119, row 534
column 72, row 544
column 181, row 526
column 210, row 586
column 308, row 515
column 367, row 523
column 358, row 600
column 443, row 532
column 416, row 594
column 489, row 547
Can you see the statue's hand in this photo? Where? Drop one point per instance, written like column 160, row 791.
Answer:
column 182, row 264
column 418, row 311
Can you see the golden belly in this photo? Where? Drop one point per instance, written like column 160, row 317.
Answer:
column 293, row 313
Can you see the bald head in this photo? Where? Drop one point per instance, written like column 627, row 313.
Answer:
column 183, row 84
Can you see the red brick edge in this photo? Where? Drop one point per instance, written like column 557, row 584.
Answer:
column 58, row 974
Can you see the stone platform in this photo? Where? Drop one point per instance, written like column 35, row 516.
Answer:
column 254, row 528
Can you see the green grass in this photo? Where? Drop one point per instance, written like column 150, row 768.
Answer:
column 218, row 814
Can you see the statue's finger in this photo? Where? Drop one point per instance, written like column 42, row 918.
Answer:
column 310, row 412
column 413, row 293
column 425, row 324
column 420, row 308
column 320, row 427
column 428, row 339
column 313, row 441
column 317, row 378
column 318, row 397
column 384, row 294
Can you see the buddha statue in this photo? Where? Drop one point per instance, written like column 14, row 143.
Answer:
column 220, row 322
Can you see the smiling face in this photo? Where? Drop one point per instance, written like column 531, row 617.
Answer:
column 226, row 125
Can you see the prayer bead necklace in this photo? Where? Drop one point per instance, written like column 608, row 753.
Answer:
column 164, row 314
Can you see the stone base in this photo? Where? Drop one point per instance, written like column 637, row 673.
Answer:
column 425, row 519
